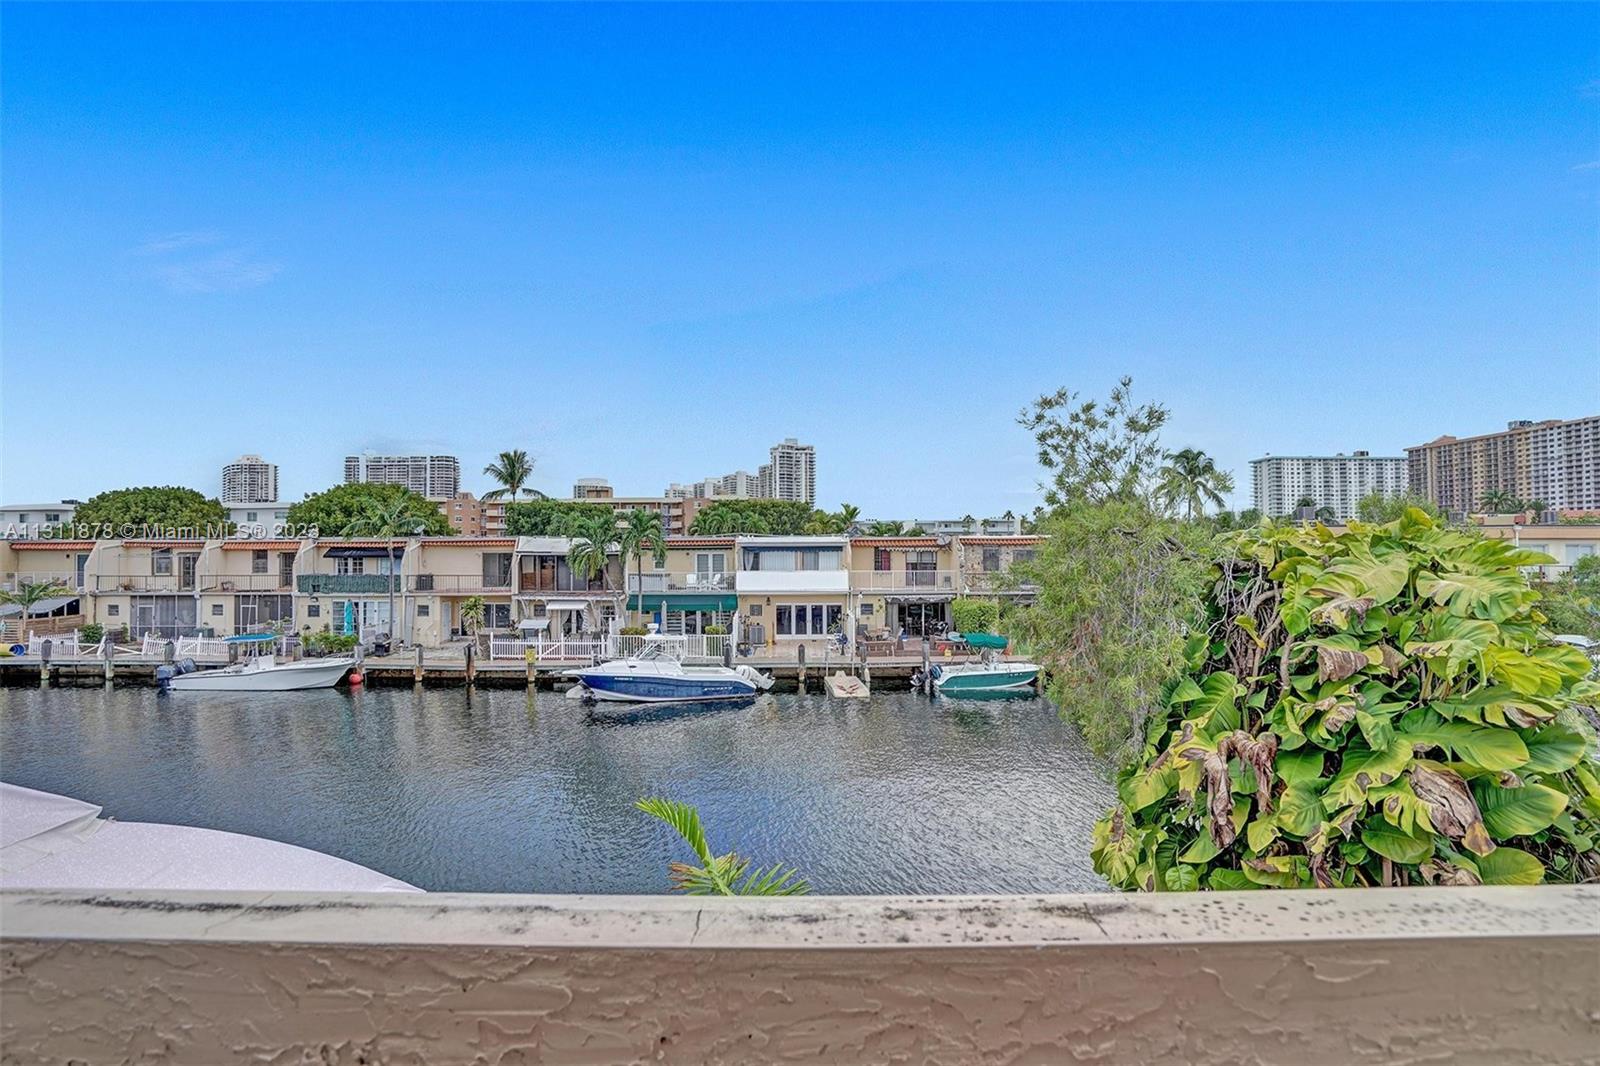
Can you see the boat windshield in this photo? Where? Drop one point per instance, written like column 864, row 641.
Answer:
column 659, row 648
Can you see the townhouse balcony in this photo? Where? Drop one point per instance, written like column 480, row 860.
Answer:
column 903, row 580
column 274, row 582
column 459, row 584
column 543, row 582
column 14, row 581
column 146, row 583
column 348, row 584
column 681, row 581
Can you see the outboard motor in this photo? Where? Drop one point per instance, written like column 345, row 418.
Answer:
column 165, row 674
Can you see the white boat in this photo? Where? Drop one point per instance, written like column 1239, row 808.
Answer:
column 656, row 674
column 987, row 673
column 257, row 673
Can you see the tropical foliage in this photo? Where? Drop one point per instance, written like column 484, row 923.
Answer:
column 642, row 533
column 393, row 520
column 1189, row 482
column 472, row 614
column 333, row 510
column 717, row 875
column 1572, row 600
column 1372, row 707
column 1378, row 507
column 591, row 537
column 970, row 615
column 511, row 470
column 1095, row 451
column 155, row 507
column 29, row 593
column 547, row 518
column 726, row 517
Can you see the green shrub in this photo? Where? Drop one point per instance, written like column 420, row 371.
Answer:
column 634, row 631
column 92, row 633
column 974, row 616
column 715, row 630
column 1377, row 706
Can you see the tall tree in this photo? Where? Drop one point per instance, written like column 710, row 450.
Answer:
column 512, row 470
column 1499, row 501
column 591, row 539
column 150, row 509
column 1190, row 481
column 884, row 528
column 642, row 532
column 849, row 515
column 1095, row 451
column 394, row 520
column 332, row 510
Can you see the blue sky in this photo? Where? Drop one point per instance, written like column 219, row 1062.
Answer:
column 646, row 242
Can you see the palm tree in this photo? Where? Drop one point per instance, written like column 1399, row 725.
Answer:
column 592, row 537
column 390, row 521
column 717, row 875
column 1535, row 507
column 642, row 531
column 1499, row 501
column 849, row 513
column 29, row 593
column 1191, row 480
column 886, row 529
column 512, row 470
column 967, row 522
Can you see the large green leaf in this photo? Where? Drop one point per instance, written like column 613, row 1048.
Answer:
column 1495, row 596
column 1229, row 881
column 1553, row 749
column 1302, row 765
column 1489, row 747
column 1379, row 578
column 1363, row 769
column 1517, row 812
column 1394, row 843
column 1300, row 809
column 1181, row 878
column 1509, row 866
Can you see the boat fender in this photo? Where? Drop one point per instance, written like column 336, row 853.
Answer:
column 355, row 677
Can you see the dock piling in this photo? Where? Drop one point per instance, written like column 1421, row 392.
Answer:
column 800, row 676
column 45, row 648
column 927, row 668
column 532, row 656
column 108, row 652
column 416, row 671
column 470, row 650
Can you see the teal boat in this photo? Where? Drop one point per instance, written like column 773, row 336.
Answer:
column 988, row 672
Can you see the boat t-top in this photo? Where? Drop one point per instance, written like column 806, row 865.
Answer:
column 987, row 672
column 656, row 674
column 258, row 671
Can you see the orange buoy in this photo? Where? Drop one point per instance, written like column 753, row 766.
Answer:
column 355, row 677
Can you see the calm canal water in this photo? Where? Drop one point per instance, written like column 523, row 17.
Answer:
column 496, row 793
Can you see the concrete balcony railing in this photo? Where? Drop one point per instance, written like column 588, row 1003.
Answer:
column 273, row 582
column 459, row 584
column 348, row 584
column 681, row 581
column 148, row 583
column 1476, row 975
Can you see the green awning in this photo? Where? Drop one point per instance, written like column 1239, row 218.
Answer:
column 674, row 602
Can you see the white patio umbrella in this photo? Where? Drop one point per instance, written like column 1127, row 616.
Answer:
column 56, row 842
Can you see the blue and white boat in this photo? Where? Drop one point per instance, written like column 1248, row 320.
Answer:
column 656, row 674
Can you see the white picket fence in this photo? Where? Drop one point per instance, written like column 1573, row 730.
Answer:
column 65, row 646
column 154, row 647
column 549, row 649
column 697, row 647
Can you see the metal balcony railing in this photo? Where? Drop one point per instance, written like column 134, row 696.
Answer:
column 12, row 582
column 681, row 581
column 348, row 584
column 465, row 584
column 903, row 580
column 274, row 582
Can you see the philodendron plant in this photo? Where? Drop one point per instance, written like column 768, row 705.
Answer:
column 1377, row 706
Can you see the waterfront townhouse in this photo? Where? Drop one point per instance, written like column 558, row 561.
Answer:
column 449, row 572
column 903, row 584
column 343, row 585
column 791, row 588
column 247, row 586
column 691, row 591
column 148, row 586
column 45, row 562
column 985, row 564
column 555, row 601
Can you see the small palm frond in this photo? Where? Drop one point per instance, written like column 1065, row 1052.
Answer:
column 717, row 875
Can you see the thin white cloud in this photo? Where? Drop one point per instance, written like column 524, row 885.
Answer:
column 177, row 242
column 1593, row 164
column 200, row 261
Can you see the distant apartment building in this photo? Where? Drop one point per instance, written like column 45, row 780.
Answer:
column 1007, row 525
column 591, row 488
column 438, row 477
column 20, row 521
column 1556, row 462
column 250, row 479
column 789, row 474
column 1337, row 482
column 472, row 517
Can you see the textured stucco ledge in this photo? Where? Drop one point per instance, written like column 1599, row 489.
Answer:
column 1498, row 975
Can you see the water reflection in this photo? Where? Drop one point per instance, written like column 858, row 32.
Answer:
column 500, row 791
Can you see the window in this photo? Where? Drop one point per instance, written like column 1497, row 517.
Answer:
column 251, row 517
column 112, row 610
column 755, row 610
column 258, row 561
column 991, row 560
column 52, row 517
column 497, row 570
column 349, row 566
column 423, row 610
column 882, row 560
column 785, row 620
column 313, row 610
column 1022, row 555
column 161, row 561
column 866, row 610
column 285, row 569
column 216, row 610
